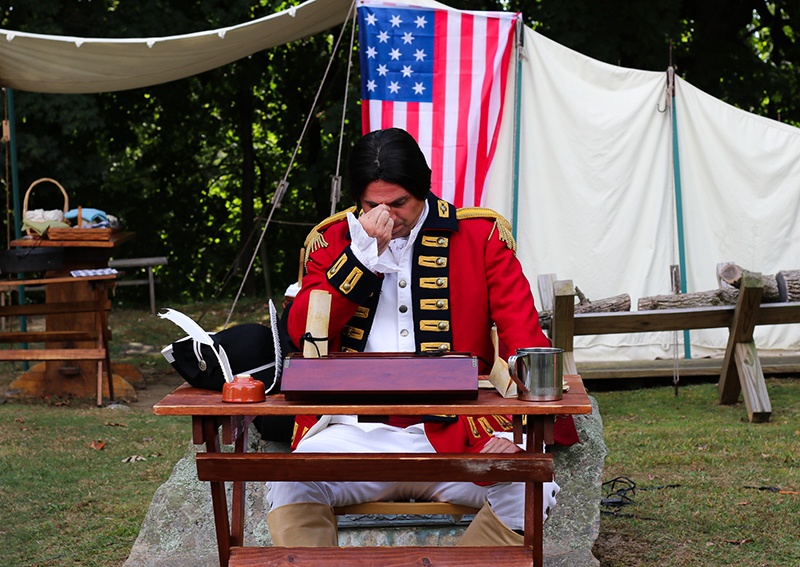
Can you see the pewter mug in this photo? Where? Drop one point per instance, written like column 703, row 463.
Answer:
column 538, row 372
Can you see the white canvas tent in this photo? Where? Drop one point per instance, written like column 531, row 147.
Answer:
column 61, row 64
column 598, row 192
column 597, row 179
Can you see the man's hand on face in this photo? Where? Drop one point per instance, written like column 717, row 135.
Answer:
column 377, row 222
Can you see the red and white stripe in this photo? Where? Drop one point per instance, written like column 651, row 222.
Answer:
column 458, row 130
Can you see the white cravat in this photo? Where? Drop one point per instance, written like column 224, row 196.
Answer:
column 393, row 326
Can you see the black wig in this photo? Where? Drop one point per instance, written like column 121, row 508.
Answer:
column 390, row 155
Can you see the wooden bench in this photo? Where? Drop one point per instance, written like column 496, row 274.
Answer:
column 741, row 367
column 99, row 334
column 522, row 467
column 148, row 264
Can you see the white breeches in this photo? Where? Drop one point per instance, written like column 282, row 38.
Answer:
column 506, row 499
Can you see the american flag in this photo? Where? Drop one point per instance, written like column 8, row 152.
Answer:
column 442, row 76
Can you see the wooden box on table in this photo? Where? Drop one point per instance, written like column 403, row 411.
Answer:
column 389, row 376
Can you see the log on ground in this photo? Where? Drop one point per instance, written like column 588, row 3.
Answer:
column 689, row 300
column 620, row 302
column 788, row 285
column 616, row 303
column 732, row 274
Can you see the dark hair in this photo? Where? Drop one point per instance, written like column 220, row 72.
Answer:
column 390, row 155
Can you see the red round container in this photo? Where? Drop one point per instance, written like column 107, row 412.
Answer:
column 243, row 389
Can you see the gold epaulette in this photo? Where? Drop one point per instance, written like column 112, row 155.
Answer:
column 502, row 225
column 315, row 240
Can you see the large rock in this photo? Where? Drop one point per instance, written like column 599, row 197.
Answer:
column 572, row 529
column 179, row 527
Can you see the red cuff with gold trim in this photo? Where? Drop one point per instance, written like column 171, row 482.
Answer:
column 351, row 278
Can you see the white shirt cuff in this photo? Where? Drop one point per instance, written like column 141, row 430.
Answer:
column 364, row 246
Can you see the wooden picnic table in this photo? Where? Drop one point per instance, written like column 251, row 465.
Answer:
column 215, row 422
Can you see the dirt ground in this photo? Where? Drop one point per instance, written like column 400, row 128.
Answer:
column 158, row 377
column 158, row 384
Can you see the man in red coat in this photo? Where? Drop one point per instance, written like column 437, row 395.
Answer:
column 410, row 274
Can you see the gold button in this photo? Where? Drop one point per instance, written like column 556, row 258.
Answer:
column 346, row 287
column 442, row 325
column 440, row 261
column 439, row 282
column 403, row 283
column 440, row 304
column 442, row 241
column 403, row 308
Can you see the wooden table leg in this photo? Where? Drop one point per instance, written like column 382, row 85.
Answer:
column 534, row 501
column 516, row 421
column 218, row 498
column 103, row 338
column 239, row 496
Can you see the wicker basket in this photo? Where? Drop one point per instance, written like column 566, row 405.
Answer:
column 28, row 194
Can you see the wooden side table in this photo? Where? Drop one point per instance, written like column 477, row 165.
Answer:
column 71, row 377
column 85, row 343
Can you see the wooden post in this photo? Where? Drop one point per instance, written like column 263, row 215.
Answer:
column 741, row 368
column 751, row 377
column 319, row 313
column 151, row 281
column 562, row 327
column 675, row 277
column 546, row 283
column 302, row 266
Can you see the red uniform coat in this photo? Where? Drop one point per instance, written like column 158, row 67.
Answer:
column 465, row 277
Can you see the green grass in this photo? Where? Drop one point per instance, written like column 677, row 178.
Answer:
column 693, row 462
column 64, row 503
column 67, row 501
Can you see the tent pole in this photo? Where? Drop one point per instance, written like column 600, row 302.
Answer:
column 12, row 132
column 517, row 114
column 676, row 166
column 12, row 128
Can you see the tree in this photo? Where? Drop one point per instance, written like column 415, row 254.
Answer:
column 191, row 166
column 740, row 51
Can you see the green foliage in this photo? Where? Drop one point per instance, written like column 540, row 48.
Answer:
column 743, row 52
column 191, row 166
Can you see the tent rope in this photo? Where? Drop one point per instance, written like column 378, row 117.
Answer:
column 281, row 190
column 7, row 142
column 336, row 183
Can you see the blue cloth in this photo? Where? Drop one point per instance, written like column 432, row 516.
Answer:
column 89, row 215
